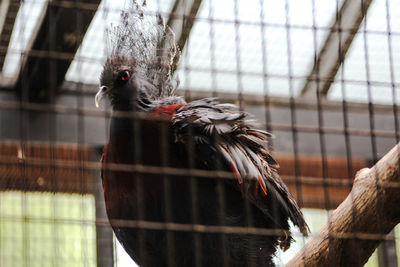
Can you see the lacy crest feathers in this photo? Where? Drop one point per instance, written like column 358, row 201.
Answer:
column 145, row 40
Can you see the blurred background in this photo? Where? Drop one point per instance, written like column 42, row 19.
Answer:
column 322, row 76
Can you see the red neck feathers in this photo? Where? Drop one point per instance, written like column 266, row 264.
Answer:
column 167, row 110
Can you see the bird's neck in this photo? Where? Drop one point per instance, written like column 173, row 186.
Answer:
column 135, row 139
column 126, row 117
column 143, row 103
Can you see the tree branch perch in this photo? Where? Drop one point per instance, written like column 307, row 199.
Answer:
column 361, row 222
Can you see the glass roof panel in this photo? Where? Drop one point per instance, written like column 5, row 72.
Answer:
column 367, row 73
column 220, row 35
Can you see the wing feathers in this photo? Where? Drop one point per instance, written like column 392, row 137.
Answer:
column 244, row 149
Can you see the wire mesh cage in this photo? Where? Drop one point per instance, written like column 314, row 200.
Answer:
column 320, row 76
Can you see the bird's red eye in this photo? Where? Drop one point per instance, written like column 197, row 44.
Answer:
column 125, row 75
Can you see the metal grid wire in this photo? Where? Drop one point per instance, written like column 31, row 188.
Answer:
column 322, row 77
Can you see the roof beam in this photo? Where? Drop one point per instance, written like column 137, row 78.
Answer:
column 8, row 14
column 181, row 19
column 60, row 31
column 333, row 52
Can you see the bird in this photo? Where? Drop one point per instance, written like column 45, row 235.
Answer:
column 185, row 183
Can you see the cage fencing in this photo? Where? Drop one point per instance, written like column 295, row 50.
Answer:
column 321, row 77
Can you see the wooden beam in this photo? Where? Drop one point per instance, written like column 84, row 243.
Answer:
column 16, row 172
column 334, row 50
column 8, row 14
column 60, row 31
column 319, row 184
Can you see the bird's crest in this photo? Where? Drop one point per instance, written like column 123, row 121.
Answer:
column 143, row 39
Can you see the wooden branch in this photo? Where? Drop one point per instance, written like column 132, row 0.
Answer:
column 361, row 222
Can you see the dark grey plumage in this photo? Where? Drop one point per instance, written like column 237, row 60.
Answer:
column 243, row 146
column 203, row 134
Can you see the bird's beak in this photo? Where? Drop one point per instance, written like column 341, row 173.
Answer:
column 100, row 94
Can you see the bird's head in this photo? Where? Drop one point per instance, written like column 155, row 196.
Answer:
column 122, row 84
column 142, row 58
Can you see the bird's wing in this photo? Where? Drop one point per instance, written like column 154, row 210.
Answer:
column 228, row 132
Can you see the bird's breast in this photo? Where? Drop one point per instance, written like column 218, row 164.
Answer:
column 133, row 162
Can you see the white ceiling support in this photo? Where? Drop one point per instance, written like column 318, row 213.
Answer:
column 181, row 19
column 333, row 52
column 8, row 13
